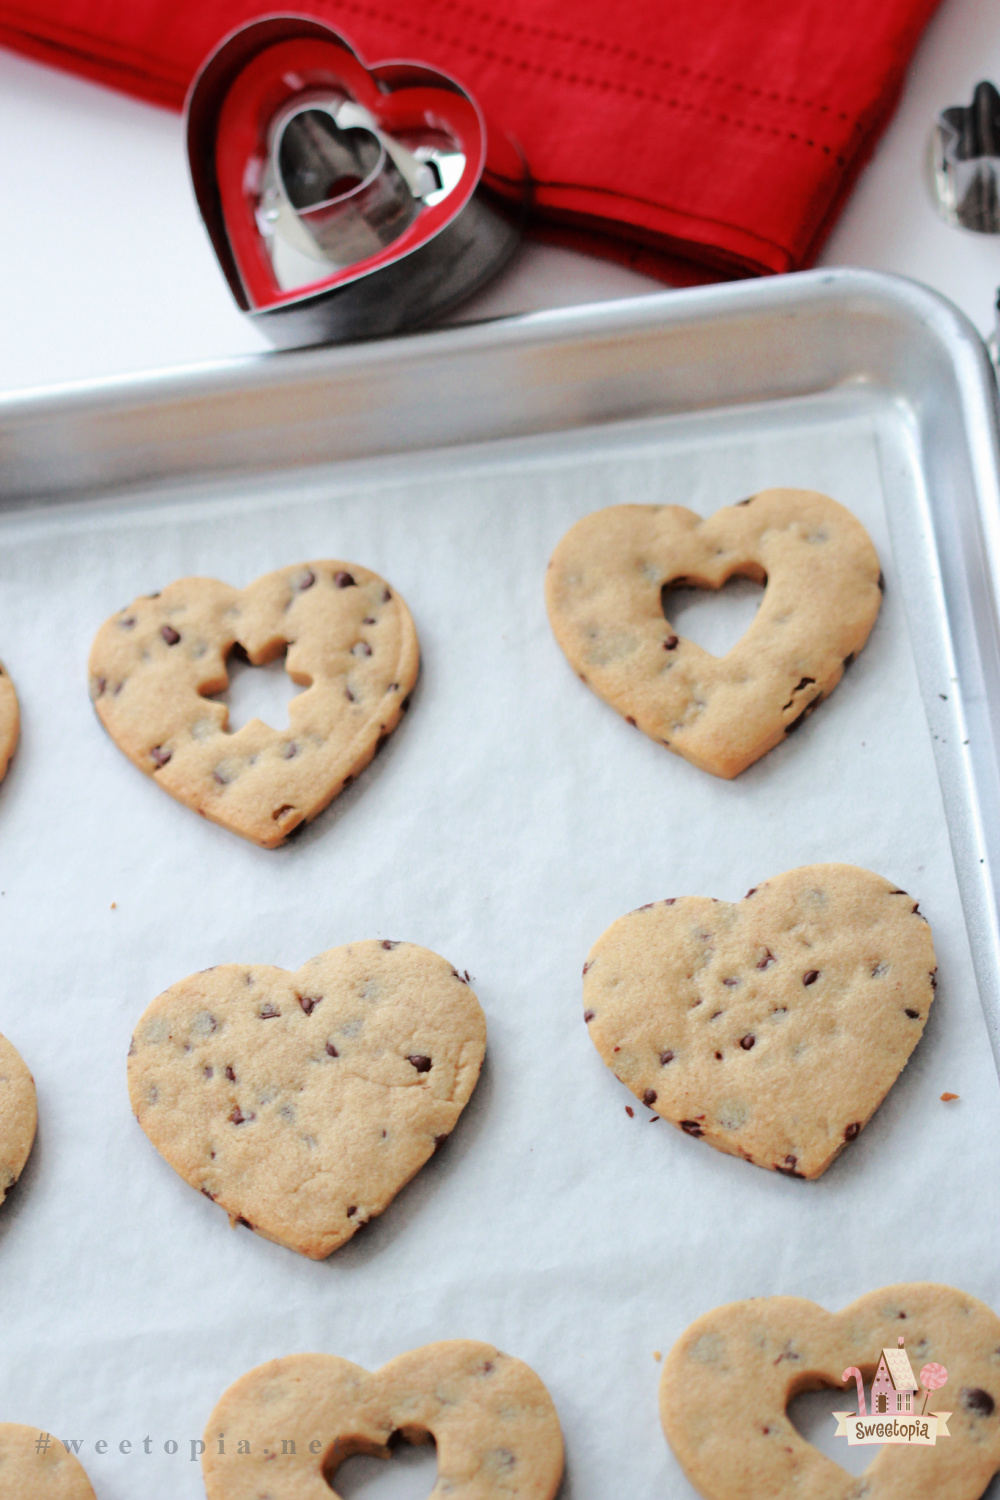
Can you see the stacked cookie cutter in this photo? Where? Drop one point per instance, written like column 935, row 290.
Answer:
column 344, row 201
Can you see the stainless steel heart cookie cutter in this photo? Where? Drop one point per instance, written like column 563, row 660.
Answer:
column 336, row 189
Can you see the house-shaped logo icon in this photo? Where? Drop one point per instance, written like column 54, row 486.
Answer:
column 894, row 1387
column 893, row 1392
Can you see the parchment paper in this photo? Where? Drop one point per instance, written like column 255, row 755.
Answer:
column 507, row 823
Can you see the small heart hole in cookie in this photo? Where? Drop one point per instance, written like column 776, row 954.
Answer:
column 410, row 1475
column 811, row 1415
column 257, row 692
column 714, row 619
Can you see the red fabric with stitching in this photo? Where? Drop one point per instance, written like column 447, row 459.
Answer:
column 688, row 141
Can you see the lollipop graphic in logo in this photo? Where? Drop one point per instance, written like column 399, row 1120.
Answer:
column 932, row 1378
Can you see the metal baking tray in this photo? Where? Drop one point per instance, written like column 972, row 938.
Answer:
column 509, row 820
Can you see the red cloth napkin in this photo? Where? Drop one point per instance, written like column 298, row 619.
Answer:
column 691, row 140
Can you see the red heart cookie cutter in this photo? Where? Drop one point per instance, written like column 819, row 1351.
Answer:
column 344, row 200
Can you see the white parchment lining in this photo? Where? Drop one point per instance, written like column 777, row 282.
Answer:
column 511, row 818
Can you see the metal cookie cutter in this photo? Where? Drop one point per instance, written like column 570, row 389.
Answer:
column 965, row 162
column 346, row 201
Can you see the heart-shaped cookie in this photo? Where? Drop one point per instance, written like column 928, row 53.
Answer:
column 34, row 1465
column 606, row 599
column 10, row 722
column 772, row 1028
column 351, row 643
column 728, row 1380
column 301, row 1103
column 18, row 1115
column 496, row 1429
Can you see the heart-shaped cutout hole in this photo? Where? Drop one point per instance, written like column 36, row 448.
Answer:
column 729, row 1380
column 603, row 591
column 407, row 1472
column 156, row 666
column 715, row 619
column 301, row 1103
column 771, row 1028
column 493, row 1423
column 811, row 1414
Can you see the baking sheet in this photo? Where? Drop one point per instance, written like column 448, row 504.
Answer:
column 508, row 821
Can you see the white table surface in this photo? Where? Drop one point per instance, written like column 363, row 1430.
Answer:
column 105, row 267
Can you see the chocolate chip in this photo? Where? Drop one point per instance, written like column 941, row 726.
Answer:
column 309, row 1003
column 851, row 1132
column 348, row 695
column 767, row 960
column 237, row 1117
column 730, row 983
column 796, row 722
column 420, row 1062
column 691, row 1127
column 305, row 580
column 361, row 648
column 344, row 580
column 671, row 643
column 630, row 1111
column 629, row 720
column 269, row 1012
column 914, row 1015
column 750, row 892
column 588, row 1016
column 386, row 595
column 586, row 967
column 788, row 1168
column 169, row 634
column 718, row 1057
column 746, row 1042
column 352, row 1210
column 209, row 1072
column 666, row 1057
column 933, row 979
column 159, row 756
column 370, row 620
column 649, row 1098
column 387, row 944
column 208, row 1194
column 230, row 1075
column 331, row 1050
column 810, row 976
column 978, row 1401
